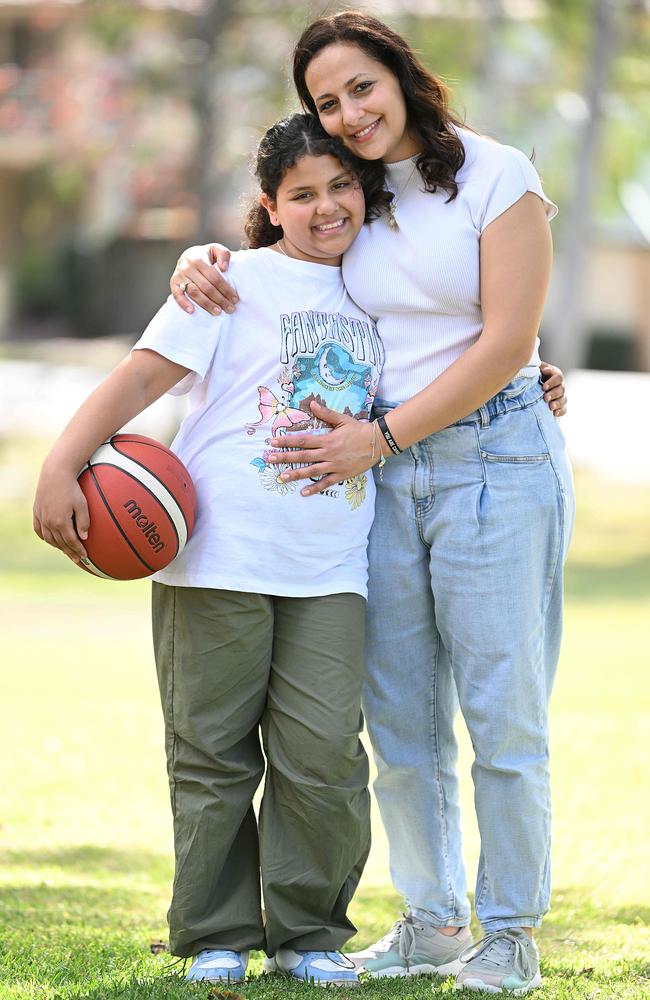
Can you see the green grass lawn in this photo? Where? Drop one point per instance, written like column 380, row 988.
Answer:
column 85, row 841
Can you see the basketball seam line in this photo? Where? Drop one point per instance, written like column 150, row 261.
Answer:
column 157, row 499
column 116, row 522
column 153, row 475
column 153, row 496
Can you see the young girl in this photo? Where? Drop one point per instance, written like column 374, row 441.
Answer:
column 259, row 623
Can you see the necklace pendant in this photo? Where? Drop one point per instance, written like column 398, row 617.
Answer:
column 392, row 217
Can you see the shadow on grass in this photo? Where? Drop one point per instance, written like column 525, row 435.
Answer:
column 92, row 860
column 47, row 919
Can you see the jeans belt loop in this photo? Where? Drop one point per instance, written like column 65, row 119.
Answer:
column 485, row 416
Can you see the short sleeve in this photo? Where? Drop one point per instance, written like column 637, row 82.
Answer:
column 511, row 176
column 188, row 339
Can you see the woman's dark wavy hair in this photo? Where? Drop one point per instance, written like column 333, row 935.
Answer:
column 282, row 147
column 430, row 121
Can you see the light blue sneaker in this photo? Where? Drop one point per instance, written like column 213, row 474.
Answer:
column 215, row 966
column 503, row 960
column 321, row 968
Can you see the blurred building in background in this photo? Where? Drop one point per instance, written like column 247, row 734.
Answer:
column 125, row 132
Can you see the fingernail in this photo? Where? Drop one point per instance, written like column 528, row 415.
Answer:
column 284, row 477
column 216, row 311
column 236, row 299
column 230, row 309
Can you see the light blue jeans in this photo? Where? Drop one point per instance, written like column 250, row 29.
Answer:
column 467, row 549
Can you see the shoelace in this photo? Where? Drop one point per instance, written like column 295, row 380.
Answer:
column 496, row 948
column 406, row 937
column 401, row 933
column 340, row 959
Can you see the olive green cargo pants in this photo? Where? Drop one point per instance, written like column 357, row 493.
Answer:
column 230, row 665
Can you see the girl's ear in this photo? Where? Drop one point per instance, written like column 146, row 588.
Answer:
column 270, row 207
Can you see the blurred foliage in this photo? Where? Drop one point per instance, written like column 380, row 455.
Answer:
column 142, row 115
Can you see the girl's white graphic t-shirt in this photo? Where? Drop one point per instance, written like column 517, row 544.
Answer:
column 295, row 336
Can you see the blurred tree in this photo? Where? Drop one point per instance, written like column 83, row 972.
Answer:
column 141, row 117
column 606, row 32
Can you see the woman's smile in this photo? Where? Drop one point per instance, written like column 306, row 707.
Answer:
column 367, row 132
column 360, row 100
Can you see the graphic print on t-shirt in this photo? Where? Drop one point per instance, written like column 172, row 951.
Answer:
column 340, row 373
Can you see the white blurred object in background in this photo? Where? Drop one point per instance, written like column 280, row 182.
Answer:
column 38, row 400
column 606, row 425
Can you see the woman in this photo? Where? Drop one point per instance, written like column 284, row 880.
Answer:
column 474, row 505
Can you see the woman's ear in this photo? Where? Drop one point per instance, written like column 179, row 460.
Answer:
column 270, row 207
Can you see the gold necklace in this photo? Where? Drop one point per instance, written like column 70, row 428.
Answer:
column 392, row 208
column 281, row 248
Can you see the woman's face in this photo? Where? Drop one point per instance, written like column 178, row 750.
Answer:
column 321, row 208
column 361, row 101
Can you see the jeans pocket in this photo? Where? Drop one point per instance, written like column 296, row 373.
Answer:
column 488, row 456
column 514, row 438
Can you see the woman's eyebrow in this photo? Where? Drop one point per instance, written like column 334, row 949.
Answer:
column 347, row 84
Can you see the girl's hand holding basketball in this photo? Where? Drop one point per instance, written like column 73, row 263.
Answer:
column 197, row 279
column 341, row 454
column 61, row 512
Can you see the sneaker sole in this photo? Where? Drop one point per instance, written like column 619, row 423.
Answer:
column 273, row 970
column 478, row 986
column 353, row 983
column 398, row 971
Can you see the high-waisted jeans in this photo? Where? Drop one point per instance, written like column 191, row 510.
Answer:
column 467, row 549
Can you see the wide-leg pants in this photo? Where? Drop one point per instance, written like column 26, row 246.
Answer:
column 230, row 666
column 466, row 553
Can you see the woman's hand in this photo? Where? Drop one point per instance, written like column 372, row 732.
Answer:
column 61, row 512
column 197, row 278
column 341, row 454
column 554, row 388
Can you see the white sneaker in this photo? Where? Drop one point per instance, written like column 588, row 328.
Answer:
column 503, row 960
column 414, row 948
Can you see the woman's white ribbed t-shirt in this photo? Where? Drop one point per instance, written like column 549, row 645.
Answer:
column 421, row 281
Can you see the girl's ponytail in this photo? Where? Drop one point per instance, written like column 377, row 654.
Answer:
column 260, row 231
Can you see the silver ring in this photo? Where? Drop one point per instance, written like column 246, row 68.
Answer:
column 183, row 286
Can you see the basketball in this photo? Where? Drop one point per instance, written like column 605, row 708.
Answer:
column 142, row 505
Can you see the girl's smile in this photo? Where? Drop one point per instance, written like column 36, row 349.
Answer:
column 320, row 207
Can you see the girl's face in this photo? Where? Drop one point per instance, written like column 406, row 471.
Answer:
column 321, row 208
column 359, row 100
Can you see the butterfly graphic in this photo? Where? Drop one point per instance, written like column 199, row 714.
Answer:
column 276, row 410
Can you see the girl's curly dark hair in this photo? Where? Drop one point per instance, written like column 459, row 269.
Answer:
column 429, row 119
column 283, row 145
